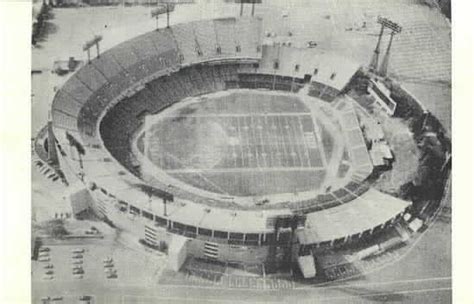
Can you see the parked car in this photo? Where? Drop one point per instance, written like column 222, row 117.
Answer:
column 112, row 275
column 108, row 260
column 85, row 299
column 311, row 44
column 78, row 271
column 48, row 277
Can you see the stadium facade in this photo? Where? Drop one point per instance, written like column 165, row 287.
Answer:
column 98, row 112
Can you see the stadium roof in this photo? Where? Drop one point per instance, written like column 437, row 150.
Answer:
column 366, row 212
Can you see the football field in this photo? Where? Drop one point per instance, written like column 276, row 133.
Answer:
column 242, row 144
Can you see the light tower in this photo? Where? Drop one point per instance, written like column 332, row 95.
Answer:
column 155, row 13
column 89, row 44
column 242, row 2
column 169, row 6
column 395, row 28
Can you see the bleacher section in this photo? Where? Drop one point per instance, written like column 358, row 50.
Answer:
column 221, row 39
column 354, row 139
column 328, row 75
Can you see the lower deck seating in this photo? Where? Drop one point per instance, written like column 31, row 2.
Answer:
column 270, row 82
column 322, row 91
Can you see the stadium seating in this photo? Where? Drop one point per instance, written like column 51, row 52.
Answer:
column 184, row 35
column 248, row 36
column 151, row 72
column 91, row 77
column 64, row 120
column 225, row 36
column 66, row 104
column 75, row 88
column 206, row 38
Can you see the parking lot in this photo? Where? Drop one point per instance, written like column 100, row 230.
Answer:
column 63, row 267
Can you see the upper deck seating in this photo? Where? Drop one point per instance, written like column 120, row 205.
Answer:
column 66, row 104
column 75, row 88
column 206, row 38
column 91, row 77
column 184, row 35
column 225, row 35
column 128, row 60
column 247, row 36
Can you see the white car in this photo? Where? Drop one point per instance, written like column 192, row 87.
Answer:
column 78, row 250
column 48, row 277
column 108, row 260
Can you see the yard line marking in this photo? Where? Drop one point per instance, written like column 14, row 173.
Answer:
column 289, row 142
column 254, row 141
column 268, row 140
column 262, row 141
column 304, row 142
column 296, row 140
column 253, row 160
column 293, row 140
column 281, row 136
column 274, row 141
column 240, row 142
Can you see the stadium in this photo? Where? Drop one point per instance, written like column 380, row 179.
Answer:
column 204, row 141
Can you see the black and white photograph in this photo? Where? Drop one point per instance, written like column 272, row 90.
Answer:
column 241, row 151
